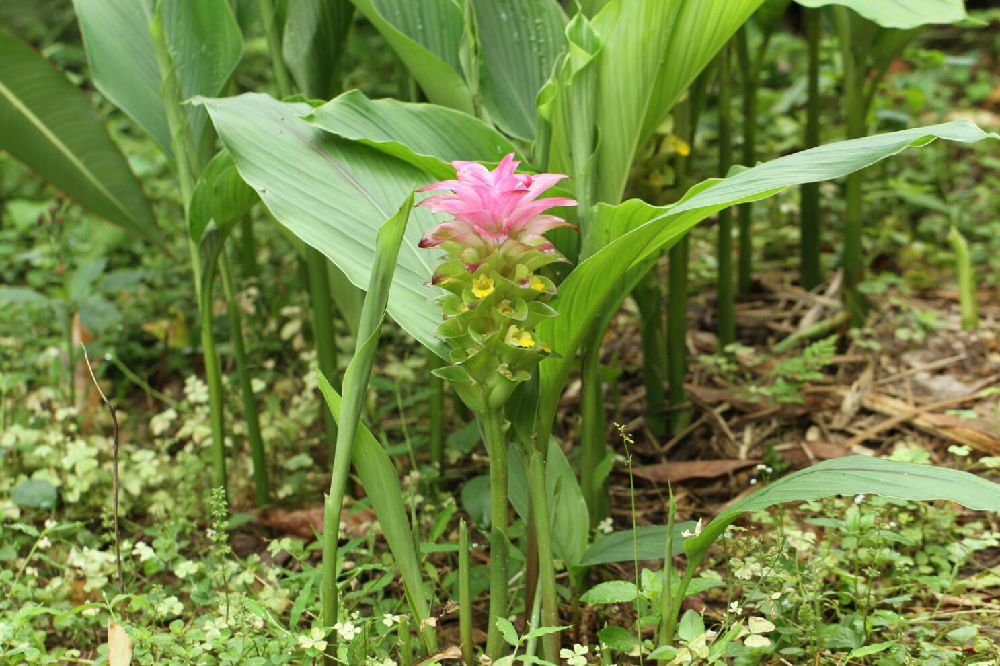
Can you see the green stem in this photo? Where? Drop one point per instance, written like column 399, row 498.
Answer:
column 966, row 280
column 543, row 537
column 260, row 481
column 666, row 597
column 435, row 414
column 593, row 425
column 464, row 595
column 856, row 113
column 496, row 448
column 648, row 298
column 185, row 159
column 324, row 337
column 248, row 247
column 725, row 305
column 810, row 229
column 749, row 80
column 281, row 79
column 677, row 306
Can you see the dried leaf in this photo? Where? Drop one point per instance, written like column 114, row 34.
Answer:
column 119, row 645
column 691, row 469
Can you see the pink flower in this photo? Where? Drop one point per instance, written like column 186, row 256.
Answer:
column 491, row 208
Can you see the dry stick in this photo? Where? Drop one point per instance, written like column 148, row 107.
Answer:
column 915, row 412
column 113, row 410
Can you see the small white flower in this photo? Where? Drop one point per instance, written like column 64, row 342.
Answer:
column 314, row 640
column 735, row 608
column 346, row 630
column 689, row 533
column 185, row 569
column 44, row 543
column 606, row 526
column 756, row 641
column 753, row 482
column 576, row 656
column 169, row 607
column 49, row 523
column 390, row 620
column 143, row 551
column 859, row 498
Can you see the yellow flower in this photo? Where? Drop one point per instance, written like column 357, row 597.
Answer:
column 536, row 283
column 482, row 286
column 518, row 337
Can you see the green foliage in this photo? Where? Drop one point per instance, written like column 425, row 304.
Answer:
column 48, row 124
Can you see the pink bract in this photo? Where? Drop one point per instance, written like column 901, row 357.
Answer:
column 488, row 208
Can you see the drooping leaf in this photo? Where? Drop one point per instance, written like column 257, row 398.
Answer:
column 23, row 296
column 857, row 475
column 520, row 41
column 205, row 44
column 595, row 284
column 427, row 136
column 313, row 43
column 378, row 477
column 122, row 62
column 611, row 592
column 427, row 36
column 902, row 14
column 333, row 194
column 46, row 122
column 649, row 542
column 220, row 194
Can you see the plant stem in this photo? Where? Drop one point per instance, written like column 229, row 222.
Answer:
column 666, row 595
column 543, row 533
column 966, row 280
column 248, row 247
column 677, row 306
column 435, row 414
column 464, row 594
column 185, row 156
column 281, row 79
column 260, row 481
column 852, row 55
column 649, row 299
column 324, row 337
column 725, row 299
column 749, row 79
column 809, row 223
column 496, row 448
column 593, row 447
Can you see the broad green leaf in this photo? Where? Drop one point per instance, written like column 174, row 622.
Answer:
column 46, row 122
column 23, row 296
column 851, row 476
column 313, row 43
column 902, row 14
column 205, row 44
column 334, row 195
column 122, row 62
column 520, row 41
column 649, row 542
column 651, row 52
column 567, row 136
column 611, row 592
column 378, row 477
column 595, row 284
column 427, row 136
column 220, row 194
column 427, row 36
column 35, row 494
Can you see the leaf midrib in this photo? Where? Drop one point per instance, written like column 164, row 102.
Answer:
column 62, row 147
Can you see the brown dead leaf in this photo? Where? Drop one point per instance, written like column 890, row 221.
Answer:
column 119, row 645
column 305, row 523
column 690, row 469
column 448, row 654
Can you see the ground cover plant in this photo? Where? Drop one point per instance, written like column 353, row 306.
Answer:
column 491, row 377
